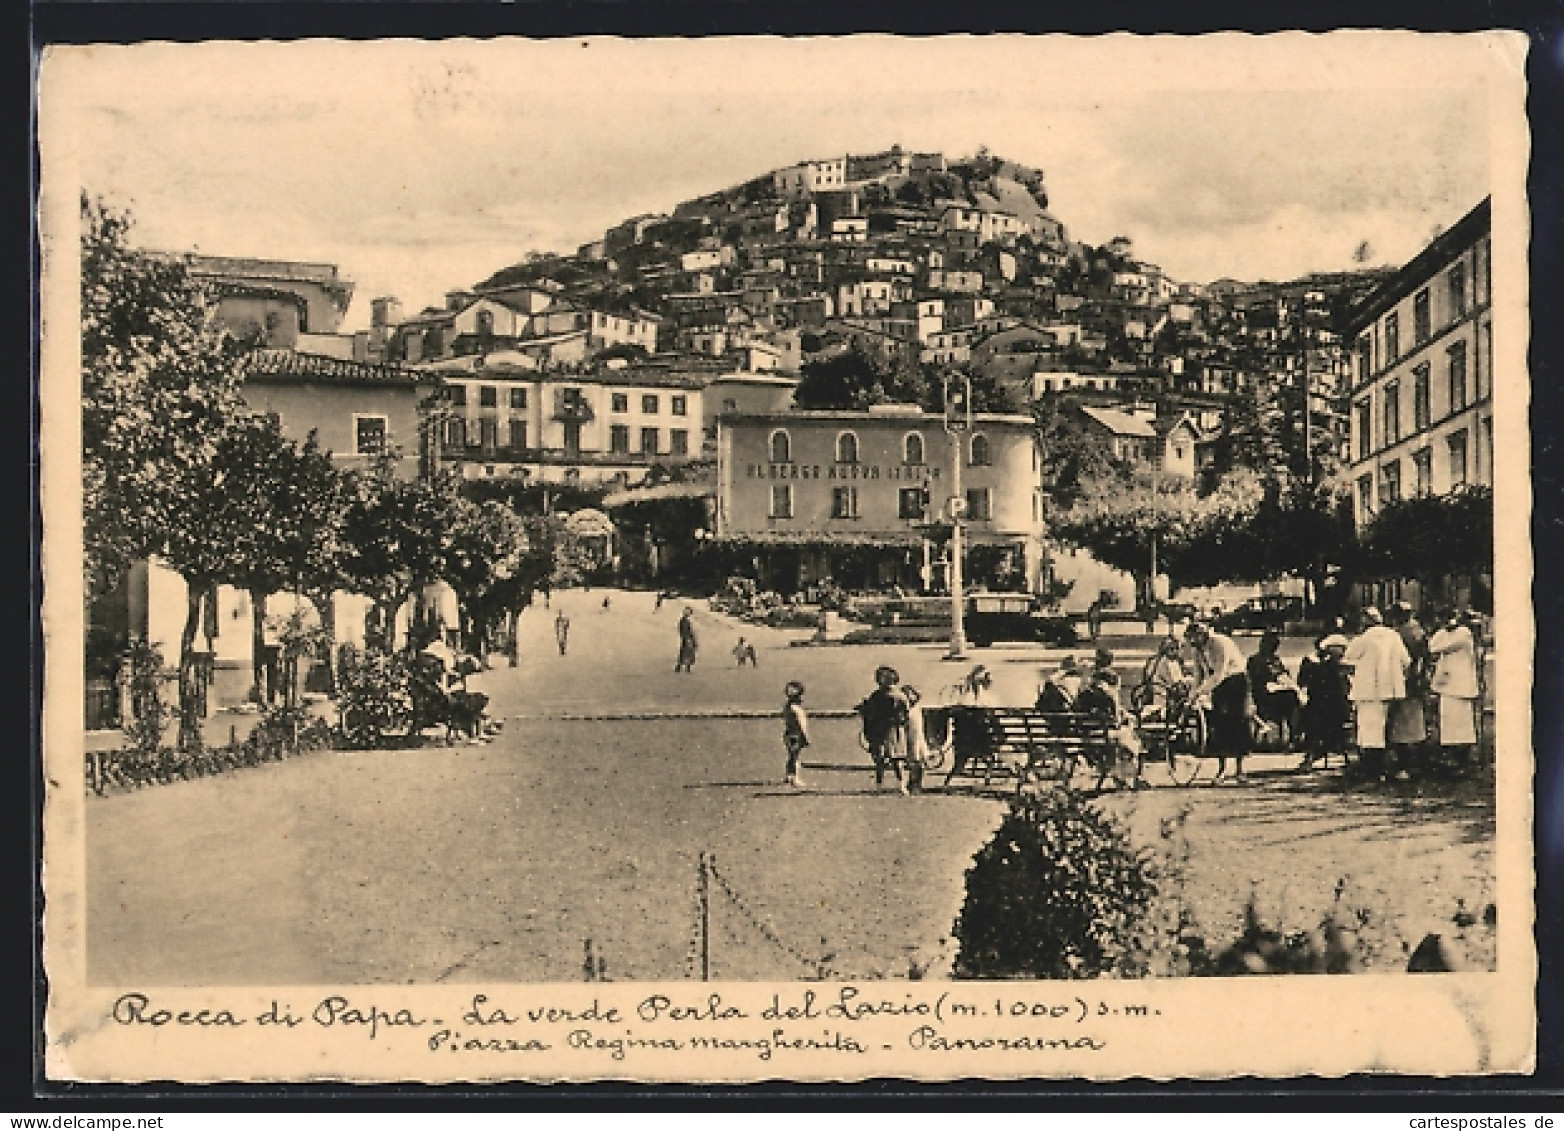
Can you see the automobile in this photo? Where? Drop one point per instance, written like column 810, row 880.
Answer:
column 992, row 617
column 1268, row 611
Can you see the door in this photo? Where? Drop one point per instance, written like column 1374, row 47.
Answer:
column 572, row 439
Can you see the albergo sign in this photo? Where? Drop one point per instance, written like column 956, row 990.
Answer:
column 907, row 473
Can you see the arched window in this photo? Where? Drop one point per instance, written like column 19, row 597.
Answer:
column 979, row 450
column 485, row 323
column 912, row 448
column 781, row 447
column 846, row 447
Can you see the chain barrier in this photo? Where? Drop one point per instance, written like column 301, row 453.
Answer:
column 816, row 965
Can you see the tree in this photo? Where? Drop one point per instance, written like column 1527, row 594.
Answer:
column 397, row 533
column 848, row 380
column 487, row 541
column 1432, row 537
column 1073, row 457
column 160, row 382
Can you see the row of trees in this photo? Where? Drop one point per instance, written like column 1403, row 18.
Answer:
column 175, row 466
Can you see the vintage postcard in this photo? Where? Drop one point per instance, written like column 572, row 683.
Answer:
column 815, row 559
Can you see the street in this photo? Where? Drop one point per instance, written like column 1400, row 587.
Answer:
column 498, row 862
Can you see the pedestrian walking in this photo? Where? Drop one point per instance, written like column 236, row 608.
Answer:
column 658, row 602
column 1407, row 727
column 1225, row 687
column 795, row 729
column 883, row 714
column 1094, row 618
column 607, row 600
column 688, row 642
column 562, row 631
column 1327, row 707
column 744, row 653
column 1455, row 682
column 1378, row 661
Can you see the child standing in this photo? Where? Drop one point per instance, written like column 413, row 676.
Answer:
column 795, row 729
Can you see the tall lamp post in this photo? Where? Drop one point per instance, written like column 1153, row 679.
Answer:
column 958, row 420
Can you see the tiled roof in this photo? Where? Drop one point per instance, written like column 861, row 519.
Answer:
column 288, row 365
column 1120, row 423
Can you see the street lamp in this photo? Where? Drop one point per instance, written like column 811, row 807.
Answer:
column 958, row 420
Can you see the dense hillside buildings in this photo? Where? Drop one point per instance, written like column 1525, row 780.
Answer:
column 1422, row 391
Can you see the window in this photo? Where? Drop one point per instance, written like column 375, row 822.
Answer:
column 912, row 448
column 518, row 432
column 1457, row 442
column 782, row 500
column 488, row 396
column 1457, row 290
column 980, row 455
column 1392, row 338
column 912, row 502
column 980, row 503
column 485, row 324
column 369, row 435
column 1457, row 354
column 518, row 397
column 680, row 405
column 846, row 447
column 620, row 402
column 649, row 403
column 679, row 442
column 844, row 502
column 618, row 438
column 1422, row 319
column 1365, row 496
column 459, row 396
column 781, row 447
column 1392, row 412
column 1389, row 482
column 730, row 404
column 1365, row 356
column 1365, row 416
column 489, row 434
column 1420, row 413
column 1488, row 444
column 455, row 433
column 1423, row 462
column 649, row 441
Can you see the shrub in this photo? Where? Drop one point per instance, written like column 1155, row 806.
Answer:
column 1057, row 893
column 373, row 697
column 148, row 713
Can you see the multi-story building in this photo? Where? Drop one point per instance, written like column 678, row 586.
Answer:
column 811, row 177
column 582, row 427
column 1421, row 414
column 858, row 498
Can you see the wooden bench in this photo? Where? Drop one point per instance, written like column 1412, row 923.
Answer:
column 1025, row 744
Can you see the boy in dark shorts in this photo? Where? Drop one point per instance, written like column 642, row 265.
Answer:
column 795, row 729
column 884, row 714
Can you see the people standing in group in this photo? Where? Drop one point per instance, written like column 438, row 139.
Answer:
column 884, row 715
column 1327, row 706
column 688, row 642
column 1378, row 661
column 1454, row 648
column 1225, row 686
column 562, row 631
column 1407, row 727
column 795, row 730
column 1272, row 686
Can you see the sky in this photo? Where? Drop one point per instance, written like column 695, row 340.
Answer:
column 423, row 167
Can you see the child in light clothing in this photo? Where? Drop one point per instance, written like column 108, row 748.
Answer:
column 795, row 729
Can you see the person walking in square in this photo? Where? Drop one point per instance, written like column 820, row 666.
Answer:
column 562, row 631
column 795, row 730
column 1379, row 663
column 688, row 642
column 1455, row 682
column 884, row 714
column 744, row 653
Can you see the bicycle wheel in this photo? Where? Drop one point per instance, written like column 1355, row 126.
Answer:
column 1187, row 746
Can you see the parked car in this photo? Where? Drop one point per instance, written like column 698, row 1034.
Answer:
column 1015, row 616
column 1268, row 611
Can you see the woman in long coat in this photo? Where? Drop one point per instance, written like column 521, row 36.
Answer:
column 1455, row 682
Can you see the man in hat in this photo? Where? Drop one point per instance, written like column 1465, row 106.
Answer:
column 1060, row 688
column 1378, row 661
